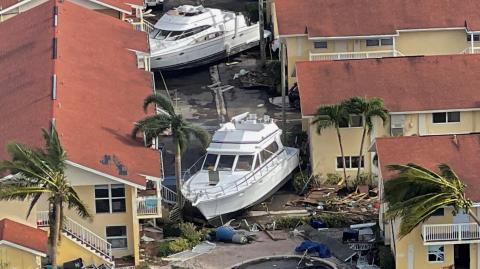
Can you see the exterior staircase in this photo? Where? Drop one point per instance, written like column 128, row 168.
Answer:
column 82, row 236
column 168, row 195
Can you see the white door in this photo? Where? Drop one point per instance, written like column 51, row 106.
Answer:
column 340, row 46
column 410, row 256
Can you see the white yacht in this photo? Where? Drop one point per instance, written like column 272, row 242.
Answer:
column 189, row 36
column 245, row 164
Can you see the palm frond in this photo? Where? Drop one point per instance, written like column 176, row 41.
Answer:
column 199, row 133
column 54, row 152
column 10, row 192
column 74, row 201
column 161, row 101
column 152, row 126
column 328, row 116
column 34, row 201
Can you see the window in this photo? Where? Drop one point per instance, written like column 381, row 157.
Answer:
column 350, row 162
column 320, row 44
column 386, row 41
column 436, row 253
column 210, row 162
column 244, row 163
column 438, row 212
column 373, row 42
column 269, row 151
column 117, row 236
column 475, row 37
column 225, row 163
column 445, row 117
column 110, row 198
column 354, row 121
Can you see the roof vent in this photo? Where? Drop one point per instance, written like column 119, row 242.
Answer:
column 455, row 140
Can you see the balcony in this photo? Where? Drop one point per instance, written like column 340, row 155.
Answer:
column 474, row 50
column 463, row 233
column 148, row 206
column 353, row 55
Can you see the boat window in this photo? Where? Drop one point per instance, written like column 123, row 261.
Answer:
column 193, row 31
column 269, row 151
column 226, row 162
column 244, row 163
column 210, row 161
column 257, row 161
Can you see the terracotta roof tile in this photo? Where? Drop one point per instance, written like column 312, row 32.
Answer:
column 327, row 18
column 430, row 151
column 404, row 83
column 123, row 5
column 100, row 90
column 23, row 235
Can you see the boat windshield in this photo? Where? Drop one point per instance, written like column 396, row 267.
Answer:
column 210, row 161
column 244, row 163
column 176, row 35
column 225, row 163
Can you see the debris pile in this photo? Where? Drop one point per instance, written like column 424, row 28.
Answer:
column 361, row 205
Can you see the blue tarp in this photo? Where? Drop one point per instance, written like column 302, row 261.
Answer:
column 323, row 251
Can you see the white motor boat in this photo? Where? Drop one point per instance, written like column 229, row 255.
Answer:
column 245, row 163
column 189, row 36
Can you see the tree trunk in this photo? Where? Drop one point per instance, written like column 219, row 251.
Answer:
column 339, row 136
column 178, row 173
column 361, row 151
column 56, row 233
column 474, row 216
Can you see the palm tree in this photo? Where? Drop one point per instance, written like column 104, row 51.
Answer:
column 153, row 126
column 415, row 192
column 368, row 109
column 332, row 116
column 37, row 172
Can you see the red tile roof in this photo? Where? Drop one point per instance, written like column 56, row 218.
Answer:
column 118, row 4
column 100, row 90
column 404, row 83
column 430, row 151
column 23, row 235
column 328, row 18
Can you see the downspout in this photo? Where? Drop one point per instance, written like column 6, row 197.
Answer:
column 394, row 46
column 471, row 43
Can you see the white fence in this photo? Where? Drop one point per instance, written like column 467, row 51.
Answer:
column 450, row 232
column 147, row 205
column 353, row 55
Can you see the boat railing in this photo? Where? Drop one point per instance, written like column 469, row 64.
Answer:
column 197, row 166
column 243, row 182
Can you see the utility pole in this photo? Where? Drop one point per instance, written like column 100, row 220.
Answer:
column 261, row 27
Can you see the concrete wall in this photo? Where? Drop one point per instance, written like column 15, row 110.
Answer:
column 18, row 259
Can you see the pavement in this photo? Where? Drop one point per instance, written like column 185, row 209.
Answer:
column 226, row 255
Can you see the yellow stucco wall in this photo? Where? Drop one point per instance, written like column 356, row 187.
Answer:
column 17, row 211
column 100, row 221
column 419, row 251
column 432, row 42
column 324, row 148
column 69, row 250
column 18, row 259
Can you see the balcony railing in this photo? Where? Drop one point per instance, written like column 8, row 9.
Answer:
column 471, row 50
column 450, row 233
column 148, row 205
column 353, row 55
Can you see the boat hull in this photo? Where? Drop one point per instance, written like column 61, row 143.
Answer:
column 255, row 193
column 206, row 53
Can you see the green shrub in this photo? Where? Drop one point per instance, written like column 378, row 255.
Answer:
column 333, row 179
column 163, row 249
column 299, row 181
column 290, row 222
column 178, row 245
column 171, row 230
column 189, row 232
column 387, row 260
